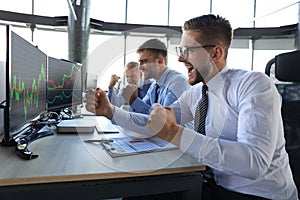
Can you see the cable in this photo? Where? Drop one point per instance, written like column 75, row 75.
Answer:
column 47, row 118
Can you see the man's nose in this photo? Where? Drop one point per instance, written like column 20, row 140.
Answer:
column 181, row 59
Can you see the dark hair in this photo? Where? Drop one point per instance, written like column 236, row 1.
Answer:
column 156, row 47
column 213, row 30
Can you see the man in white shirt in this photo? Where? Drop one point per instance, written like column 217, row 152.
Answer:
column 243, row 140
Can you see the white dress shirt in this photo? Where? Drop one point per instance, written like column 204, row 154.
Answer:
column 244, row 142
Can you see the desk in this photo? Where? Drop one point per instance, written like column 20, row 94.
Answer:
column 68, row 167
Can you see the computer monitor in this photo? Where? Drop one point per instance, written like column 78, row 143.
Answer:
column 64, row 84
column 26, row 78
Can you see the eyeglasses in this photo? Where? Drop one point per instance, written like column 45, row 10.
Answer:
column 184, row 51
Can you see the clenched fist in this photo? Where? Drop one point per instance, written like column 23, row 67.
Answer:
column 162, row 123
column 130, row 93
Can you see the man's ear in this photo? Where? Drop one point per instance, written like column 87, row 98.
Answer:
column 161, row 60
column 218, row 53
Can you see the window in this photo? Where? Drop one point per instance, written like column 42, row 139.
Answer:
column 240, row 14
column 21, row 6
column 276, row 13
column 51, row 8
column 180, row 11
column 148, row 12
column 108, row 10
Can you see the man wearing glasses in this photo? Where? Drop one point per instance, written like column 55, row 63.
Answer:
column 238, row 130
column 242, row 140
column 194, row 76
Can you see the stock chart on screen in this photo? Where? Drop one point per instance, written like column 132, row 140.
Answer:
column 64, row 84
column 27, row 81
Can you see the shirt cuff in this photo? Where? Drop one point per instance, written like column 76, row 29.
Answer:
column 139, row 106
column 119, row 116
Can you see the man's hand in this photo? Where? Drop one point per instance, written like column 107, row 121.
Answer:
column 162, row 123
column 113, row 80
column 130, row 93
column 98, row 103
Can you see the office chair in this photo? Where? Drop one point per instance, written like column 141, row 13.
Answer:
column 287, row 73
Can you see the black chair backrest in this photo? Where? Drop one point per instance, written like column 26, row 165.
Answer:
column 287, row 66
column 287, row 73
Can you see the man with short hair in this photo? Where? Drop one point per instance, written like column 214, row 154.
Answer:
column 240, row 132
column 169, row 84
column 134, row 78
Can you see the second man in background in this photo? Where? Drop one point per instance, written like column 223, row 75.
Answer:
column 134, row 79
column 169, row 84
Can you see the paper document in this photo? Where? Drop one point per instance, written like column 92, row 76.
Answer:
column 132, row 145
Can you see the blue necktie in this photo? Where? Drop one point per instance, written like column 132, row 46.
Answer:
column 156, row 93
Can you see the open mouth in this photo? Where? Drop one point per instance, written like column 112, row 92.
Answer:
column 190, row 70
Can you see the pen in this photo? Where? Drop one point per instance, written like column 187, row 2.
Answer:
column 100, row 140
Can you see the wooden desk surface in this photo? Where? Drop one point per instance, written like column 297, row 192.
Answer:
column 65, row 157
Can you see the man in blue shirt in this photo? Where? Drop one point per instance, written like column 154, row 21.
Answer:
column 134, row 78
column 169, row 84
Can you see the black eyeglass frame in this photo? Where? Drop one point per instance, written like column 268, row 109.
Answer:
column 181, row 51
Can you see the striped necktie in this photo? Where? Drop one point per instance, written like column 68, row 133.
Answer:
column 201, row 111
column 200, row 116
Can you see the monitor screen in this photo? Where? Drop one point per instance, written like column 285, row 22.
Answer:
column 26, row 78
column 64, row 85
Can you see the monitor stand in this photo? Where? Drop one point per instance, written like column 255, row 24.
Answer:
column 36, row 132
column 22, row 141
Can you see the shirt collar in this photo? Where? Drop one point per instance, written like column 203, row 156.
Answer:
column 216, row 84
column 163, row 77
